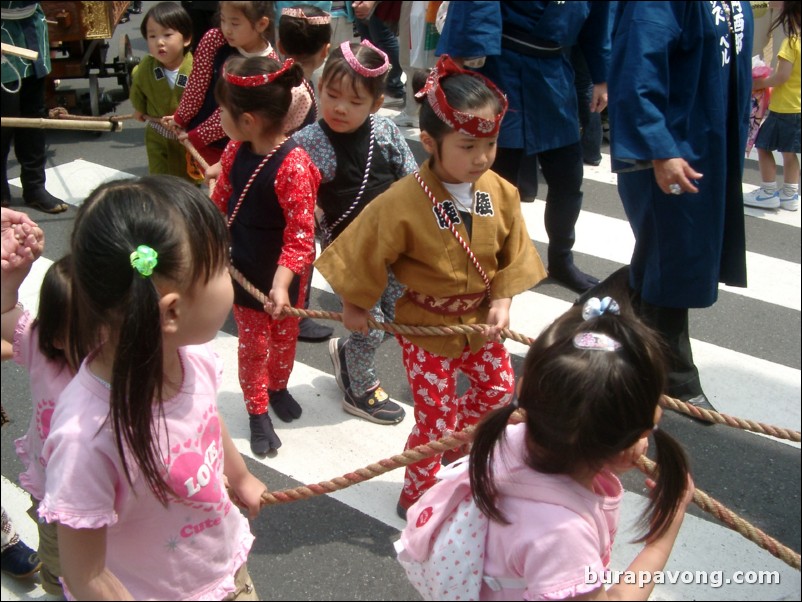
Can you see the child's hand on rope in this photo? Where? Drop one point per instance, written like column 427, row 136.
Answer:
column 168, row 121
column 279, row 297
column 213, row 173
column 247, row 494
column 355, row 318
column 498, row 318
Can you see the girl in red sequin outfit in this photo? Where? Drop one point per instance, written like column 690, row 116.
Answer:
column 267, row 189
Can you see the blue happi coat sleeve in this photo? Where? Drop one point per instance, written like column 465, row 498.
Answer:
column 594, row 39
column 472, row 29
column 639, row 84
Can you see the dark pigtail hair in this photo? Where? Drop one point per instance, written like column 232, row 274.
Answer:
column 670, row 486
column 789, row 18
column 490, row 433
column 189, row 234
column 58, row 339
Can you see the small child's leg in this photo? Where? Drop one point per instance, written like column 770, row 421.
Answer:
column 789, row 195
column 765, row 197
column 252, row 355
column 360, row 356
column 363, row 395
column 283, row 342
column 432, row 380
column 252, row 352
column 492, row 383
column 768, row 166
column 48, row 553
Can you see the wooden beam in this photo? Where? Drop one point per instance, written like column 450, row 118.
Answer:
column 24, row 53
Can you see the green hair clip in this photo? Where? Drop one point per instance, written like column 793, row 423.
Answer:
column 144, row 260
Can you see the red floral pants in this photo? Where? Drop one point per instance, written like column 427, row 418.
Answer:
column 438, row 409
column 266, row 354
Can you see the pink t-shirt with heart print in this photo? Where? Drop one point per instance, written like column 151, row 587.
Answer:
column 48, row 380
column 189, row 550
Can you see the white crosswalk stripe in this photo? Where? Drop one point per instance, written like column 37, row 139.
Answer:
column 734, row 380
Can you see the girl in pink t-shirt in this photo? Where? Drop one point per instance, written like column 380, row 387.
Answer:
column 590, row 387
column 138, row 459
column 40, row 345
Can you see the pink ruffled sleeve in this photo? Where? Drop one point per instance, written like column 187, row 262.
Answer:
column 22, row 343
column 83, row 472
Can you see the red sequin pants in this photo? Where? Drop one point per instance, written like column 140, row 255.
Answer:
column 438, row 409
column 266, row 354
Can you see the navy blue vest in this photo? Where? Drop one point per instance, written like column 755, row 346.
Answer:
column 257, row 233
column 336, row 196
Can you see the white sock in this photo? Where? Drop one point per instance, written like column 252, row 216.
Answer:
column 790, row 190
column 769, row 187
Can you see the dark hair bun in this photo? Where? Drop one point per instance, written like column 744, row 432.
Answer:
column 293, row 77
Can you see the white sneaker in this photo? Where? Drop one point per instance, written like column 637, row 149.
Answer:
column 790, row 203
column 762, row 199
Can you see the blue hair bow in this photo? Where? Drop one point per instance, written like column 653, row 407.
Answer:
column 594, row 307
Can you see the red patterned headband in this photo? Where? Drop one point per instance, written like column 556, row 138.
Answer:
column 359, row 67
column 252, row 81
column 462, row 122
column 299, row 13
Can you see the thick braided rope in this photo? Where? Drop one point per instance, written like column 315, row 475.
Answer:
column 386, row 326
column 358, row 198
column 410, row 456
column 438, row 207
column 733, row 521
column 360, row 475
column 732, row 421
column 196, row 155
column 250, row 181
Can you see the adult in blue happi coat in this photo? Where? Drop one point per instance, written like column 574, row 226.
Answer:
column 680, row 84
column 527, row 47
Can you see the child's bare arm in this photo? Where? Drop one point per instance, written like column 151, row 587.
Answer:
column 355, row 318
column 780, row 76
column 83, row 565
column 498, row 318
column 247, row 488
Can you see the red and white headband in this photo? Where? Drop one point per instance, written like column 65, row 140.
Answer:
column 359, row 67
column 299, row 13
column 466, row 123
column 253, row 81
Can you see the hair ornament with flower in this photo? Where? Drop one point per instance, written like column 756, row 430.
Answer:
column 299, row 13
column 261, row 79
column 359, row 67
column 460, row 121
